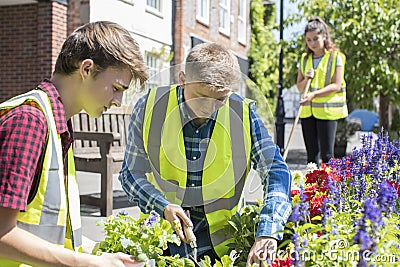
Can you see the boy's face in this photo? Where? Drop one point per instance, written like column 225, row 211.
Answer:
column 105, row 90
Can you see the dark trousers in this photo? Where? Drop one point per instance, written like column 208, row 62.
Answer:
column 319, row 138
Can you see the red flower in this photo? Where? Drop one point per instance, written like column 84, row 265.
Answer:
column 317, row 176
column 310, row 191
column 311, row 177
column 335, row 177
column 295, row 192
column 287, row 262
column 316, row 204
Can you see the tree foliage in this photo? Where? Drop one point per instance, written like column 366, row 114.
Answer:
column 368, row 33
column 264, row 50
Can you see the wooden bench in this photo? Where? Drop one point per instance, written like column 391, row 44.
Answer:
column 99, row 147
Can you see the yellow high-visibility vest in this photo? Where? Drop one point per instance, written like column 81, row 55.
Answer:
column 332, row 106
column 226, row 164
column 54, row 212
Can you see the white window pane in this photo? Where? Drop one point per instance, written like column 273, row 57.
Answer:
column 224, row 16
column 153, row 65
column 202, row 11
column 156, row 4
column 242, row 22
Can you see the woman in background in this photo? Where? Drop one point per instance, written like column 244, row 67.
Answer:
column 325, row 102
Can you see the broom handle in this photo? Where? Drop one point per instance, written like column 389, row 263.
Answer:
column 296, row 120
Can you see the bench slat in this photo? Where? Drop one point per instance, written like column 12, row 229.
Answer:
column 99, row 145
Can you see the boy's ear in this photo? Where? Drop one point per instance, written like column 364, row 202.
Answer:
column 181, row 78
column 86, row 67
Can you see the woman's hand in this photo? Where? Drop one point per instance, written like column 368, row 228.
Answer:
column 310, row 74
column 307, row 98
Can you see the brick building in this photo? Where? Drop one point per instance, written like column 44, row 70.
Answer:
column 224, row 22
column 31, row 35
column 32, row 32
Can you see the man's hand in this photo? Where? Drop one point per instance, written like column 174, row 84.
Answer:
column 175, row 214
column 264, row 248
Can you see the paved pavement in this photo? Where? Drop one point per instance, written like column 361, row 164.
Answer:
column 90, row 183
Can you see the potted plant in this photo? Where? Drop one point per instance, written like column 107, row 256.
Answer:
column 345, row 129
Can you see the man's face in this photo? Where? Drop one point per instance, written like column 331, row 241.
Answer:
column 204, row 99
column 105, row 90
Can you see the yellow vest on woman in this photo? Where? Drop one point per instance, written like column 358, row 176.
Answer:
column 226, row 164
column 332, row 106
column 54, row 212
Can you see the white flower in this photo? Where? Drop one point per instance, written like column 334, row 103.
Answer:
column 126, row 242
column 311, row 167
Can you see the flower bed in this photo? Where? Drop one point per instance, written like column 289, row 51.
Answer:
column 347, row 213
column 344, row 214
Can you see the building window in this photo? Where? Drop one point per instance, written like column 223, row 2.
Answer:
column 224, row 16
column 156, row 4
column 153, row 65
column 242, row 22
column 203, row 11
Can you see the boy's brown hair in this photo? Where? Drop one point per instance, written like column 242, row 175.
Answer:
column 108, row 44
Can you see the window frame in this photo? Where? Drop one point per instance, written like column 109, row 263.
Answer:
column 152, row 69
column 227, row 8
column 199, row 17
column 242, row 20
column 154, row 10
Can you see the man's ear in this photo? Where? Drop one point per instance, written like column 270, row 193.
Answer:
column 182, row 78
column 86, row 67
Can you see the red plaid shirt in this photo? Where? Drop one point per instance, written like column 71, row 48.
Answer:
column 23, row 132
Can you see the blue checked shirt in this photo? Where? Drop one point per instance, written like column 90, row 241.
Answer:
column 265, row 156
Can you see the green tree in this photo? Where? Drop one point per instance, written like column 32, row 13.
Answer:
column 368, row 33
column 264, row 50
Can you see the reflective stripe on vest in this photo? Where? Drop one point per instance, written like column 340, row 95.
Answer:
column 332, row 106
column 226, row 162
column 47, row 214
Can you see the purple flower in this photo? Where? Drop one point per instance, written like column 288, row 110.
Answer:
column 123, row 213
column 363, row 239
column 301, row 210
column 153, row 218
column 372, row 212
column 297, row 250
column 296, row 215
column 387, row 197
